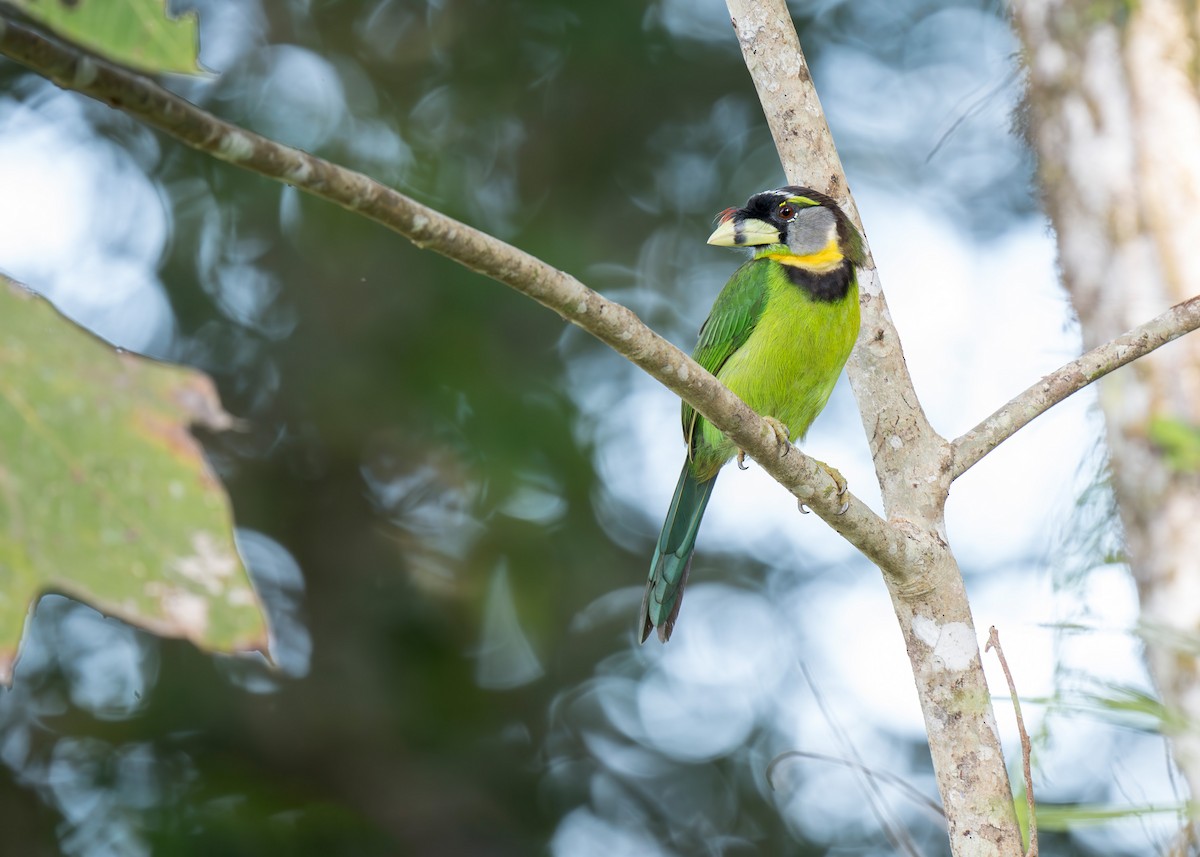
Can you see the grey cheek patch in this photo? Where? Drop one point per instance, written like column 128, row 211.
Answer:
column 812, row 230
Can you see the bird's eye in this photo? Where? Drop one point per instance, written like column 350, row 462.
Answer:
column 786, row 212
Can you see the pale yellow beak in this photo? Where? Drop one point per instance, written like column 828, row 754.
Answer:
column 733, row 232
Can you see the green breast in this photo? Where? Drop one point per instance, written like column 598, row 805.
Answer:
column 789, row 364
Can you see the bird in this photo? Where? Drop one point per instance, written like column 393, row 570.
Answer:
column 778, row 335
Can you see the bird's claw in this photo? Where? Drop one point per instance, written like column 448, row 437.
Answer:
column 782, row 434
column 842, row 488
column 840, row 481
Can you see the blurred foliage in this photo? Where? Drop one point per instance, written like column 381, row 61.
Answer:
column 1134, row 707
column 451, row 585
column 1179, row 443
column 106, row 496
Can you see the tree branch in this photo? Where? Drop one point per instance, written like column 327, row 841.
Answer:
column 1071, row 378
column 913, row 466
column 611, row 323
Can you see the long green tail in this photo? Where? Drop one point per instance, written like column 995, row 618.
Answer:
column 673, row 555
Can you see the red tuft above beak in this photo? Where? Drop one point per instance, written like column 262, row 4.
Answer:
column 725, row 215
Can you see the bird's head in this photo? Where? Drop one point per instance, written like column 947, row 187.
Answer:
column 797, row 221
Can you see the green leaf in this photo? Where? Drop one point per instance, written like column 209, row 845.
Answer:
column 1179, row 443
column 134, row 33
column 1060, row 818
column 104, row 494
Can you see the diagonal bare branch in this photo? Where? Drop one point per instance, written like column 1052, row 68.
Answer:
column 1049, row 391
column 610, row 322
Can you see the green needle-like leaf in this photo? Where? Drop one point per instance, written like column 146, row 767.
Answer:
column 104, row 494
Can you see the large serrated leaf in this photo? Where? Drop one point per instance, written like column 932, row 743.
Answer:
column 104, row 494
column 134, row 33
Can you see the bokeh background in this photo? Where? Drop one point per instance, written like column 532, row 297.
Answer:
column 448, row 500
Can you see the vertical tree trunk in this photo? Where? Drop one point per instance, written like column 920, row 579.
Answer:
column 1114, row 114
column 913, row 464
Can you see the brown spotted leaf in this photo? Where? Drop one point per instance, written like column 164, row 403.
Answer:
column 104, row 494
column 134, row 33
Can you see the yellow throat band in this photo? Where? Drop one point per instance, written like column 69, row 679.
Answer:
column 821, row 262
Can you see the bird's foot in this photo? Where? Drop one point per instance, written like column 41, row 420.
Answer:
column 782, row 434
column 840, row 481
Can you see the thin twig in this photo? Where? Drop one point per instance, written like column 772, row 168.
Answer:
column 897, row 835
column 1071, row 378
column 1026, row 747
column 610, row 322
column 894, row 780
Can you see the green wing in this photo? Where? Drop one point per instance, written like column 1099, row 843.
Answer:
column 734, row 315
